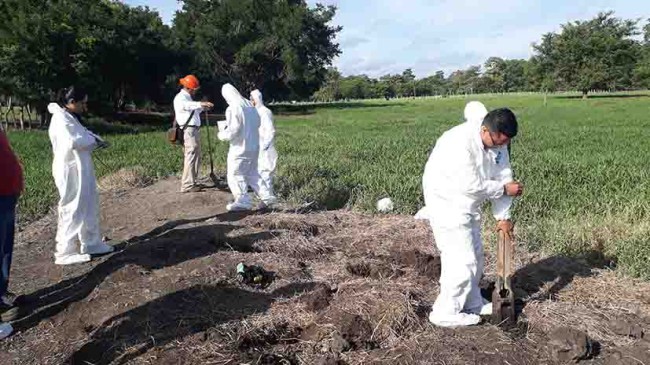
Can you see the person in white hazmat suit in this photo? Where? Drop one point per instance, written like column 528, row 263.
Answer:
column 268, row 158
column 468, row 166
column 242, row 131
column 74, row 176
column 474, row 112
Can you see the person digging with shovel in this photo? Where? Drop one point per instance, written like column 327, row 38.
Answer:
column 469, row 165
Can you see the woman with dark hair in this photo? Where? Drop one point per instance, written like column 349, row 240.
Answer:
column 75, row 180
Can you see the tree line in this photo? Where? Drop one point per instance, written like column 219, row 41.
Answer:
column 604, row 53
column 126, row 55
column 122, row 54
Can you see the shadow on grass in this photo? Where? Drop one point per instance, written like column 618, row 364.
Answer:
column 288, row 110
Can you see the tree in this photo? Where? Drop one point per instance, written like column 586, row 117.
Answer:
column 331, row 89
column 495, row 74
column 283, row 47
column 642, row 69
column 465, row 81
column 114, row 50
column 407, row 85
column 595, row 54
column 514, row 78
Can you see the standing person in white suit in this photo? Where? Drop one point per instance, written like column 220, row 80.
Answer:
column 468, row 166
column 268, row 158
column 242, row 131
column 74, row 176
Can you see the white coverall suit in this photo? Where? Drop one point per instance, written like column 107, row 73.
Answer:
column 74, row 176
column 268, row 158
column 242, row 131
column 474, row 112
column 459, row 177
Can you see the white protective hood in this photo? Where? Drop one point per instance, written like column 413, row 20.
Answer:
column 475, row 111
column 233, row 97
column 257, row 97
column 54, row 108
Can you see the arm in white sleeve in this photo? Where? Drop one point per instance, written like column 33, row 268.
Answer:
column 189, row 105
column 501, row 206
column 75, row 135
column 470, row 182
column 233, row 128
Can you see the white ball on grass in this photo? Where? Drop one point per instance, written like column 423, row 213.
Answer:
column 385, row 205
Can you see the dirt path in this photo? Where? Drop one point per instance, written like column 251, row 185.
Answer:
column 348, row 289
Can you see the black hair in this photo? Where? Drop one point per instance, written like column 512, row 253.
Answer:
column 501, row 120
column 65, row 96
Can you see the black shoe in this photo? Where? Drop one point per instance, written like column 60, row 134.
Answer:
column 12, row 299
column 193, row 189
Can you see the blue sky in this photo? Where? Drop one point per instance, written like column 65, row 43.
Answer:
column 388, row 36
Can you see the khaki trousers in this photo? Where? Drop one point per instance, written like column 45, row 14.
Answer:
column 192, row 162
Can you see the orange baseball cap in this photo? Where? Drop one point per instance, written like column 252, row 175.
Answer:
column 190, row 82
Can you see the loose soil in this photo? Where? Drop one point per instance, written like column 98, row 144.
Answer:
column 347, row 288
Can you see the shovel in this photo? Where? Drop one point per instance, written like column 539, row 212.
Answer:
column 503, row 298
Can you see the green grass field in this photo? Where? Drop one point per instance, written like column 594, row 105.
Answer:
column 585, row 165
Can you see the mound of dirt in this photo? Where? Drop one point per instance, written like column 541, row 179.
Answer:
column 626, row 328
column 268, row 336
column 356, row 331
column 318, row 299
column 424, row 264
column 373, row 269
column 125, row 179
column 329, row 359
column 568, row 344
column 632, row 355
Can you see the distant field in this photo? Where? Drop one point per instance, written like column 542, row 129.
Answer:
column 584, row 164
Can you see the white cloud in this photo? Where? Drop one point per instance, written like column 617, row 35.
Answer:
column 429, row 35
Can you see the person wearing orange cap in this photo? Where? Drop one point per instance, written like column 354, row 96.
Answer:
column 188, row 117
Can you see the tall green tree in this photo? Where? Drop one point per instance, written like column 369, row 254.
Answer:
column 281, row 46
column 495, row 74
column 596, row 54
column 642, row 69
column 114, row 50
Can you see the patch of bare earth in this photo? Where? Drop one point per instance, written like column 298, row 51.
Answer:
column 347, row 289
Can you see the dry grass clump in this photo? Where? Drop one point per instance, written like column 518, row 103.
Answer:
column 391, row 310
column 295, row 245
column 125, row 179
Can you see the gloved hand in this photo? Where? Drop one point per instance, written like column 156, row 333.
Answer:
column 506, row 226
